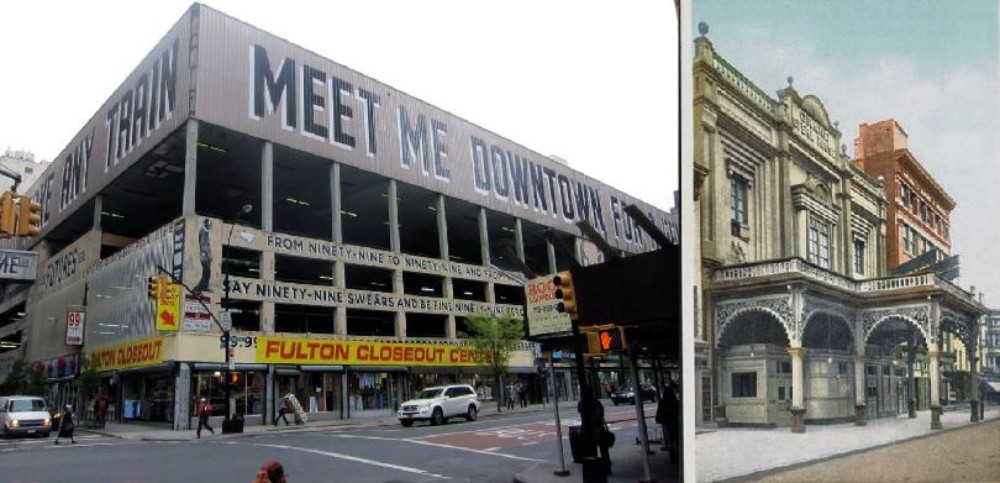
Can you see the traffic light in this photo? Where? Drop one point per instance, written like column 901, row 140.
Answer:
column 154, row 287
column 234, row 378
column 7, row 214
column 30, row 217
column 565, row 293
column 612, row 339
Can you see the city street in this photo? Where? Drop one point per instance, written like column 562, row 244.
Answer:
column 489, row 450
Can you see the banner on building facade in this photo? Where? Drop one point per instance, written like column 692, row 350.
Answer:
column 282, row 350
column 130, row 355
column 75, row 323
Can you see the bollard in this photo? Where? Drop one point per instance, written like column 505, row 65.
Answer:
column 594, row 470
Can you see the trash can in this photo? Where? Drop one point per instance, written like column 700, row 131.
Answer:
column 234, row 425
column 578, row 445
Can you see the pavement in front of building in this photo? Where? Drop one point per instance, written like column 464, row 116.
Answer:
column 741, row 453
column 141, row 432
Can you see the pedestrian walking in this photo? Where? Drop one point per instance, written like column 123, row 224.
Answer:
column 522, row 394
column 283, row 409
column 204, row 412
column 509, row 397
column 67, row 425
column 271, row 472
column 601, row 434
column 667, row 415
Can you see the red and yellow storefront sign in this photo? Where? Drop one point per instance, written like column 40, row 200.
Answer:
column 283, row 350
column 130, row 355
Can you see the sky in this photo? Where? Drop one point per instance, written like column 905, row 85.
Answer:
column 931, row 65
column 594, row 85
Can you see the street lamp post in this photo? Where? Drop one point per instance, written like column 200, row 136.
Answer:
column 227, row 328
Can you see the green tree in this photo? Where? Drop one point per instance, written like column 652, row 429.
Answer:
column 494, row 338
column 89, row 379
column 24, row 378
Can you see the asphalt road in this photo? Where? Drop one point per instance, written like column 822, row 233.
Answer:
column 971, row 453
column 484, row 451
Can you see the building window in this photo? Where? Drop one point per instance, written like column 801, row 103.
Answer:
column 908, row 241
column 744, row 384
column 844, row 368
column 783, row 367
column 781, row 393
column 859, row 257
column 738, row 204
column 819, row 242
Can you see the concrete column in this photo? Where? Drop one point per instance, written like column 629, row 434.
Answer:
column 449, row 289
column 339, row 276
column 934, row 356
column 267, row 308
column 269, row 395
column 335, row 203
column 484, row 237
column 267, row 186
column 550, row 252
column 442, row 226
column 393, row 218
column 190, row 167
column 98, row 209
column 519, row 239
column 859, row 390
column 397, row 289
column 182, row 397
column 798, row 384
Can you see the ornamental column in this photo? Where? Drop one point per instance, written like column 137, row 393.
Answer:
column 859, row 390
column 798, row 384
column 934, row 356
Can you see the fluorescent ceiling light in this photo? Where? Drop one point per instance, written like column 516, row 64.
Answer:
column 212, row 147
column 426, row 289
column 112, row 215
column 466, row 293
column 349, row 213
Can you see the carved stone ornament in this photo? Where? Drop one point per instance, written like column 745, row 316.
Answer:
column 780, row 307
column 918, row 315
column 959, row 324
column 815, row 306
column 739, row 253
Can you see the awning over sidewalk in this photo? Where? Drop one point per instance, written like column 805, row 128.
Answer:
column 992, row 386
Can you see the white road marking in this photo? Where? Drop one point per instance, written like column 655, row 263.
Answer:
column 439, row 445
column 351, row 458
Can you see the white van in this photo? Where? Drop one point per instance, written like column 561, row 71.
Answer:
column 24, row 415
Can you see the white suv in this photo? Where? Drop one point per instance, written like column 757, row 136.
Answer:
column 437, row 404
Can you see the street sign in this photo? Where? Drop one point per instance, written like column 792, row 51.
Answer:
column 542, row 308
column 226, row 319
column 196, row 316
column 168, row 307
column 75, row 327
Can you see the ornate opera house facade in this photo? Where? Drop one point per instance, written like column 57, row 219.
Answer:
column 798, row 319
column 347, row 227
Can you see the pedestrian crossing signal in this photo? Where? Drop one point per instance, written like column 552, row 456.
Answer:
column 611, row 340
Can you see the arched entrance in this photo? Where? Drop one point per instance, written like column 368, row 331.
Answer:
column 896, row 379
column 755, row 369
column 829, row 368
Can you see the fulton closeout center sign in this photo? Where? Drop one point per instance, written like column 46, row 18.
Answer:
column 280, row 350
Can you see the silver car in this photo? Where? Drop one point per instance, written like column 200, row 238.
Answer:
column 437, row 404
column 28, row 415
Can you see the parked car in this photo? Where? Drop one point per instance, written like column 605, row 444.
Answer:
column 437, row 404
column 627, row 395
column 27, row 415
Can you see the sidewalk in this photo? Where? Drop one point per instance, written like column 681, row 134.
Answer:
column 723, row 454
column 140, row 432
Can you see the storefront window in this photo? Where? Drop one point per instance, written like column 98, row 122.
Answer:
column 148, row 397
column 316, row 392
column 372, row 391
column 246, row 395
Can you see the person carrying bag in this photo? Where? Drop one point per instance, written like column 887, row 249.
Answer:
column 67, row 425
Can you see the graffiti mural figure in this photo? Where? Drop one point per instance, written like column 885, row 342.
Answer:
column 205, row 253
